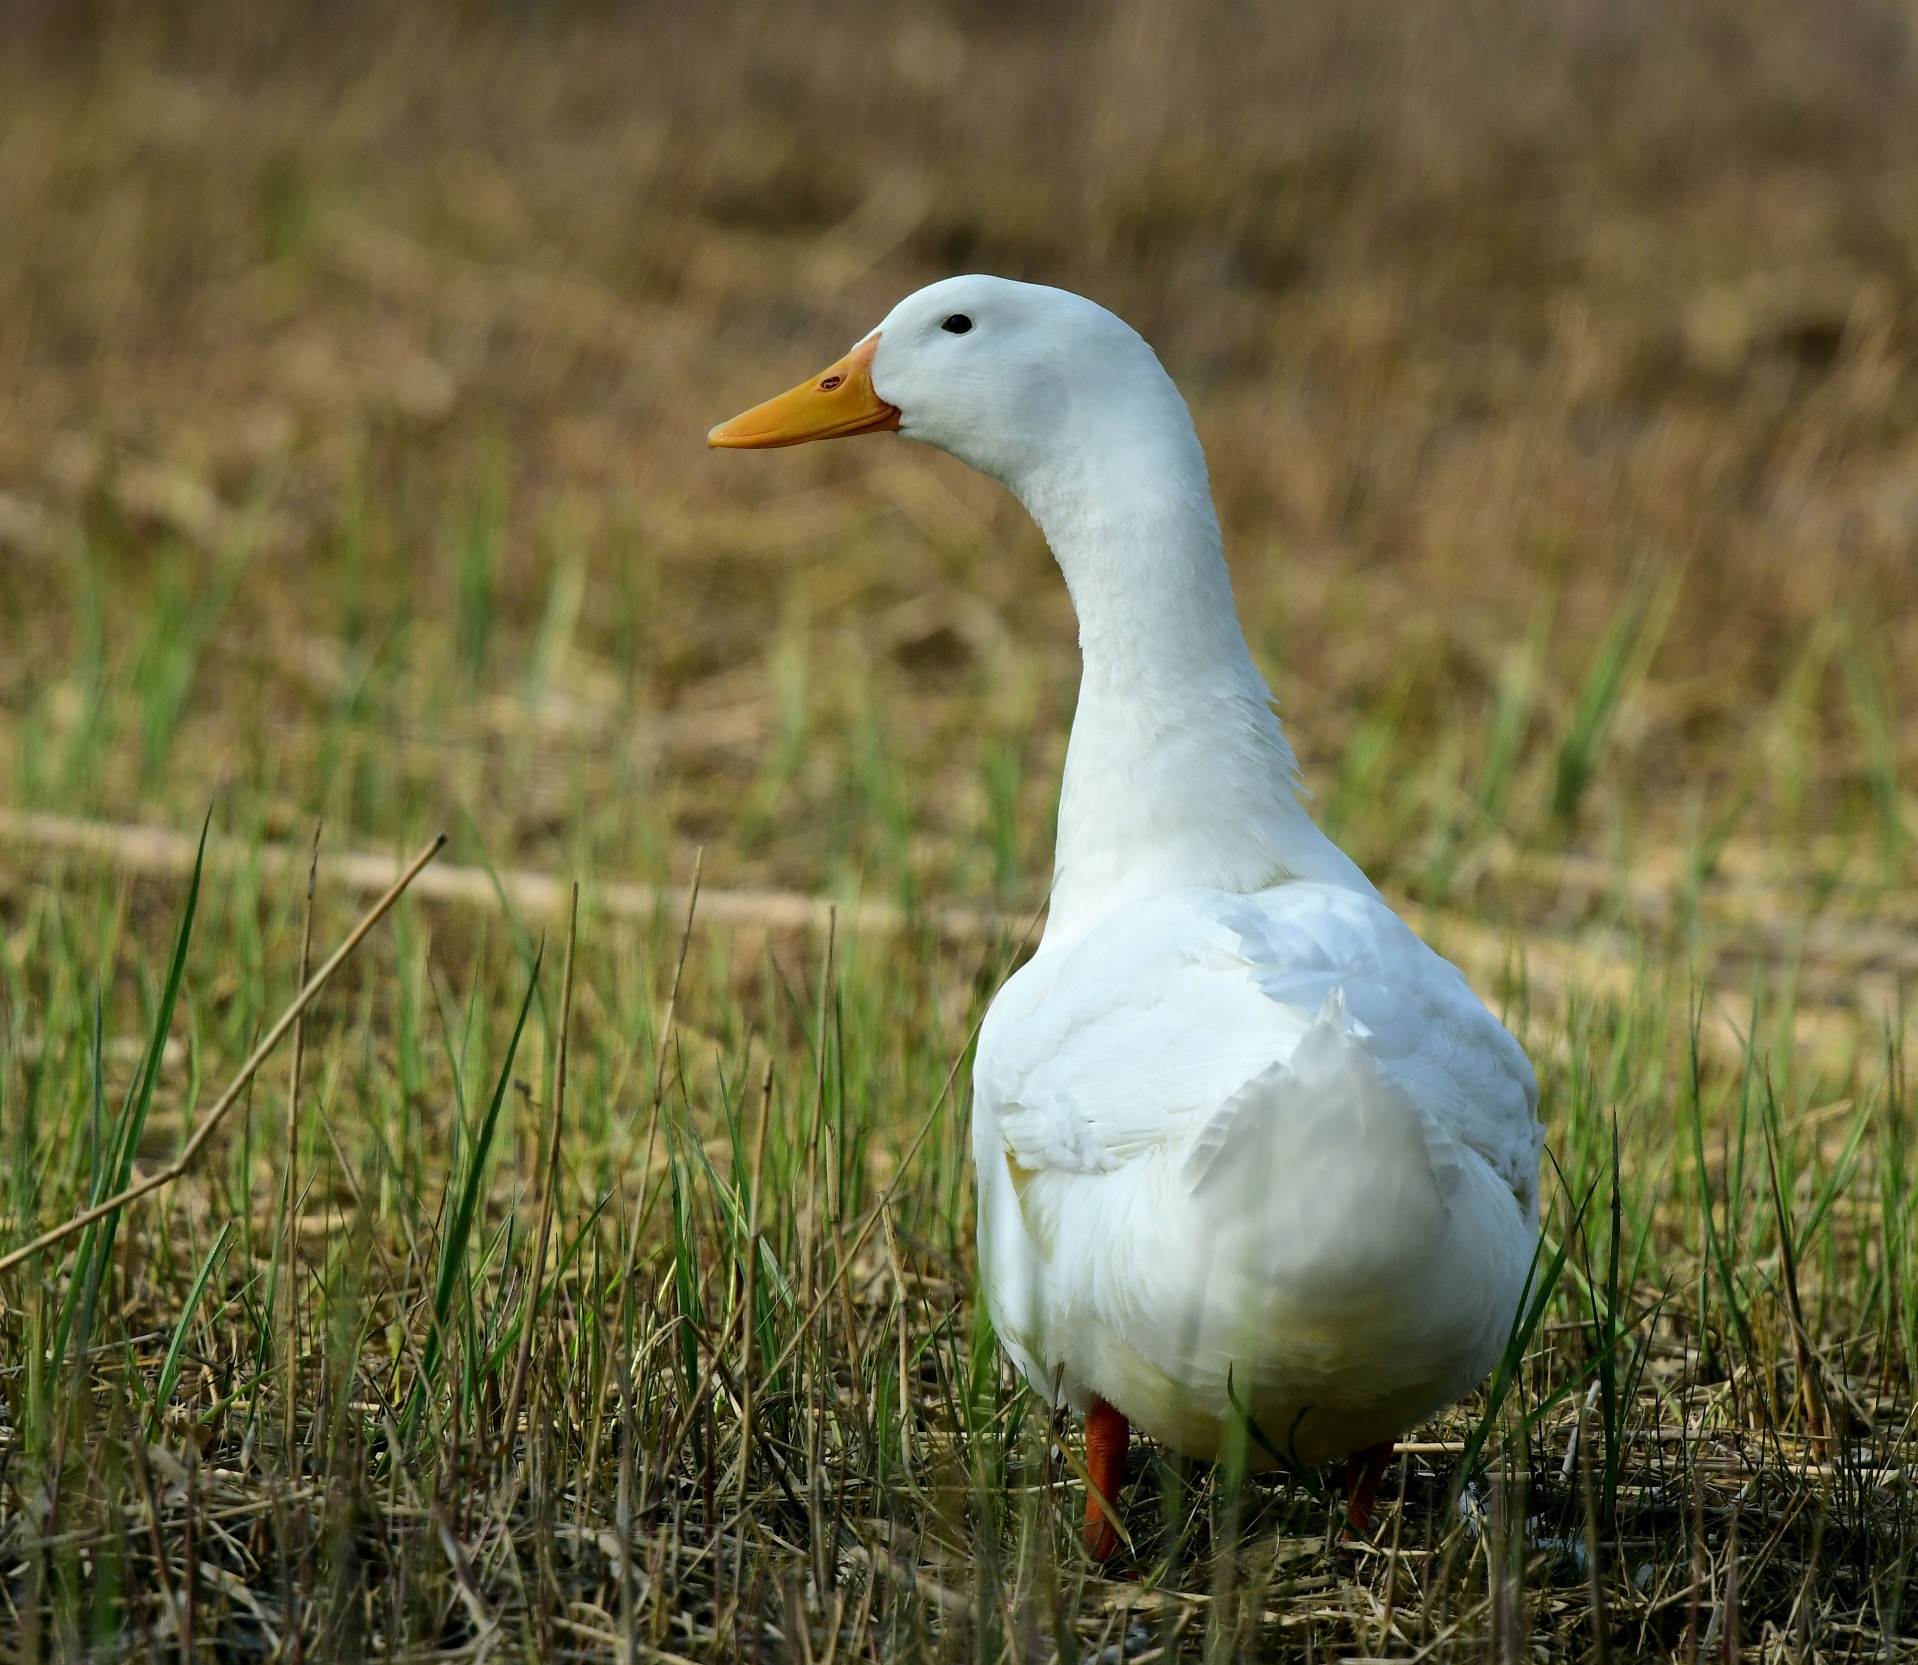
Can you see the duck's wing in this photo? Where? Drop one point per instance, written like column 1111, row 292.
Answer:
column 1172, row 1018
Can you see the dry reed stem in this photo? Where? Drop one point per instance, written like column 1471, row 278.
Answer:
column 247, row 1071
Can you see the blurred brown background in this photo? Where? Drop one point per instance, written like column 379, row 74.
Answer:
column 355, row 363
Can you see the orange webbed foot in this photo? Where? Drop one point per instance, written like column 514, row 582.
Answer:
column 1363, row 1472
column 1108, row 1436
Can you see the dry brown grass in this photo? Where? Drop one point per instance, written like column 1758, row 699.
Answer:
column 1558, row 368
column 1481, row 308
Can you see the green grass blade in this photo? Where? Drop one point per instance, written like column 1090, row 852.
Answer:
column 1628, row 643
column 176, row 1348
column 1533, row 1300
column 1513, row 703
column 458, row 1225
column 96, row 1242
column 1871, row 711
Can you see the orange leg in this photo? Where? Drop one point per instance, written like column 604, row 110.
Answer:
column 1363, row 1472
column 1108, row 1434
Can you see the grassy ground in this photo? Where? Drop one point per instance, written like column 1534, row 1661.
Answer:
column 1557, row 370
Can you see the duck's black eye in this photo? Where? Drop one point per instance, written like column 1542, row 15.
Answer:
column 957, row 324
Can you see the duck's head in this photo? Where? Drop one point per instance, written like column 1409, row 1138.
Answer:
column 1014, row 379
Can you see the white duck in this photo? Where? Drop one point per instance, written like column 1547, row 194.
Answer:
column 1240, row 1134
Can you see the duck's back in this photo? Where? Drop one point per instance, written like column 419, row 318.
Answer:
column 1145, row 1027
column 1257, row 1107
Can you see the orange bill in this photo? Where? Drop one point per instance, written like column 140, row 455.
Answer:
column 835, row 403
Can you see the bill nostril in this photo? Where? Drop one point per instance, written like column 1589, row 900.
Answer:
column 830, row 383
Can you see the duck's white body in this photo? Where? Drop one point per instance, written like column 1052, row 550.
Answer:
column 1239, row 1133
column 1266, row 1145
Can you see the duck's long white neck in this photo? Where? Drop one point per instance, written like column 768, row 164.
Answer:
column 1177, row 772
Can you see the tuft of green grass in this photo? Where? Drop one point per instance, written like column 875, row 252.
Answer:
column 476, row 564
column 180, row 626
column 1513, row 702
column 1623, row 652
column 1878, row 734
column 175, row 1354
